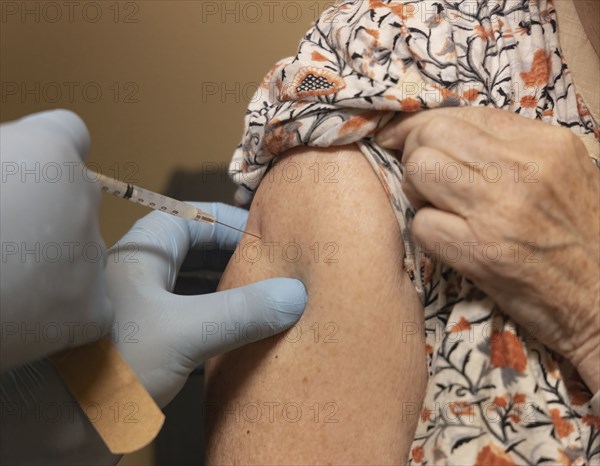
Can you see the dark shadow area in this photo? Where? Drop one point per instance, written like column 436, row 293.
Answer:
column 180, row 440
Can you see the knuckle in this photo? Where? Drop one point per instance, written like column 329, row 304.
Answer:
column 418, row 156
column 436, row 125
column 561, row 144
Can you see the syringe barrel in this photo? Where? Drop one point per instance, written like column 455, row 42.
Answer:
column 163, row 203
column 153, row 200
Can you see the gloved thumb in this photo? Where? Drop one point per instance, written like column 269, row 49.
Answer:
column 62, row 125
column 222, row 321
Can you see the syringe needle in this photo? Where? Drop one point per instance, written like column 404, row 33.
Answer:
column 241, row 231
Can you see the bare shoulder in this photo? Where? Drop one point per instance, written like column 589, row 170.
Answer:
column 335, row 387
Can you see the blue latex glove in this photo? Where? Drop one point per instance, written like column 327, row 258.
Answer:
column 41, row 423
column 176, row 333
column 52, row 292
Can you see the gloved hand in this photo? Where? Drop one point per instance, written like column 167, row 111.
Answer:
column 162, row 336
column 168, row 335
column 52, row 292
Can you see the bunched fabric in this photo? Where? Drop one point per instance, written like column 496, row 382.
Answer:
column 495, row 395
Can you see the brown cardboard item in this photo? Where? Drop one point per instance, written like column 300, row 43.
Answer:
column 111, row 396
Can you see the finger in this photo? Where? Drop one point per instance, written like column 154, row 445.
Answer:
column 153, row 250
column 223, row 237
column 431, row 177
column 213, row 245
column 448, row 238
column 461, row 141
column 158, row 243
column 226, row 320
column 64, row 124
column 497, row 122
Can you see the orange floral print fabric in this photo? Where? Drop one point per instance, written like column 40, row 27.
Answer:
column 495, row 396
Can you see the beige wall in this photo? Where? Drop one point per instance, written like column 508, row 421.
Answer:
column 163, row 57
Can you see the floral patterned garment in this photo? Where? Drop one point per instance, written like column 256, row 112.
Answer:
column 495, row 395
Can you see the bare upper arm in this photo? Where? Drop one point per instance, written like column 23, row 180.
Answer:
column 340, row 387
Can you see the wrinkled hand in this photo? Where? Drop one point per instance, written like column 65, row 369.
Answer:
column 51, row 275
column 514, row 205
column 168, row 335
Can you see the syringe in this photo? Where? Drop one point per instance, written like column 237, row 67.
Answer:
column 156, row 201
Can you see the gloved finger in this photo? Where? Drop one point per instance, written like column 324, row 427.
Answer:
column 153, row 250
column 219, row 322
column 212, row 246
column 63, row 124
column 159, row 243
column 219, row 235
